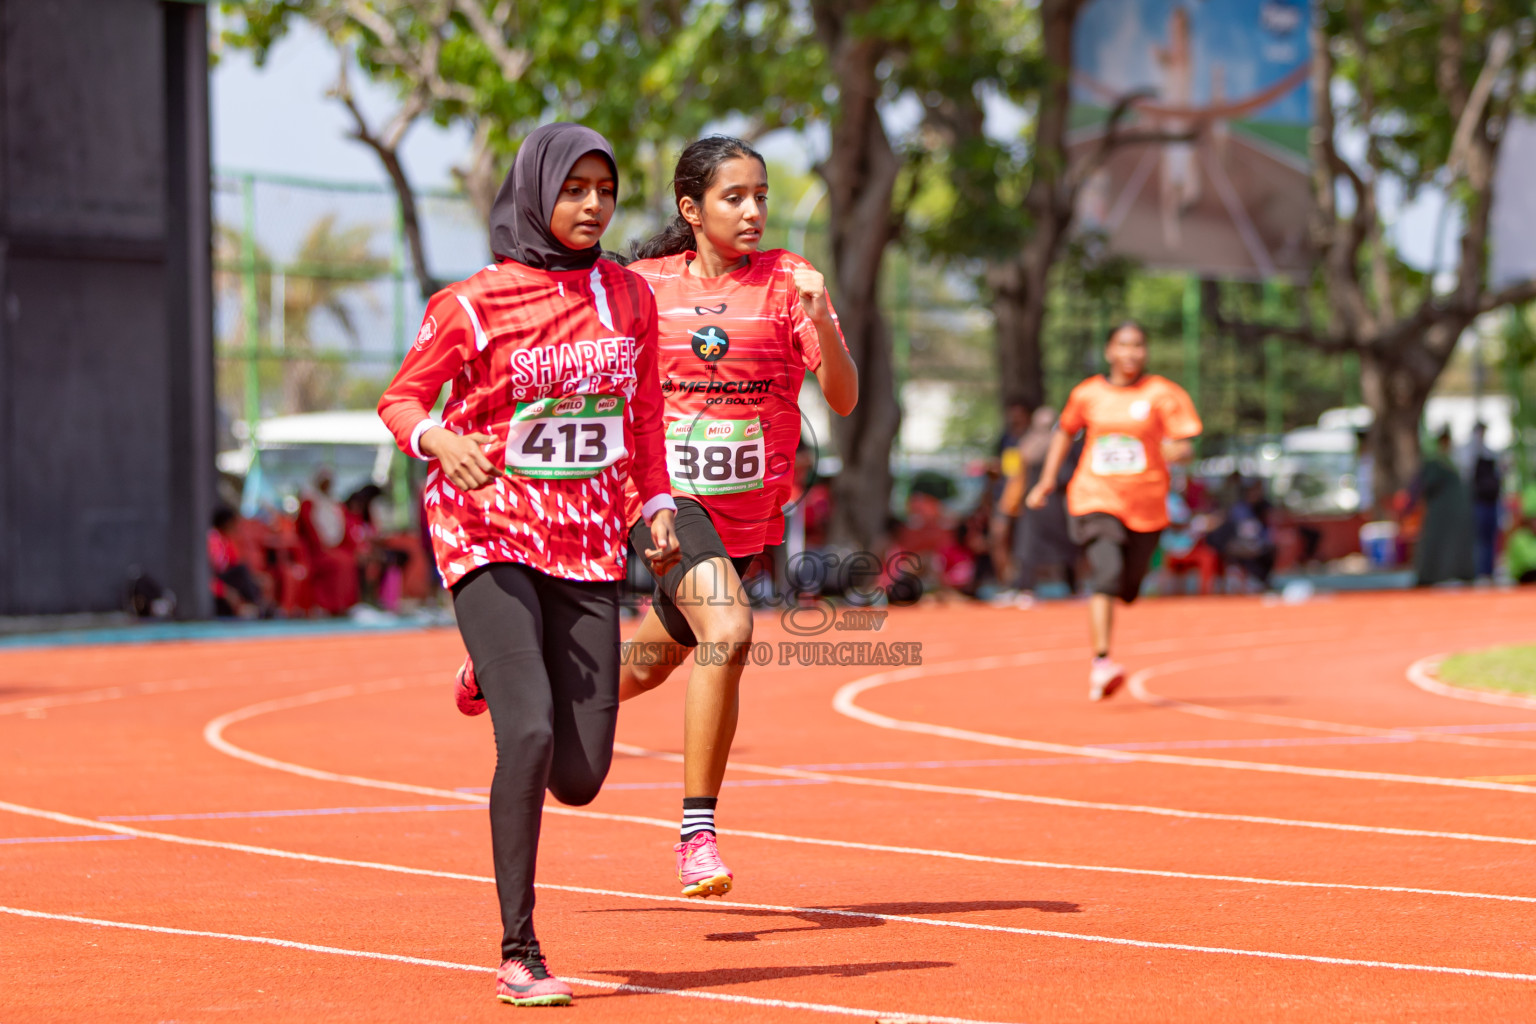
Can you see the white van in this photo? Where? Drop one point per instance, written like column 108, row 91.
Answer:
column 281, row 458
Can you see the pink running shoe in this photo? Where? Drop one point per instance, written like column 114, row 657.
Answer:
column 466, row 692
column 700, row 868
column 1104, row 678
column 526, row 981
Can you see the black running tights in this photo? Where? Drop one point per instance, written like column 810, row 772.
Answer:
column 546, row 658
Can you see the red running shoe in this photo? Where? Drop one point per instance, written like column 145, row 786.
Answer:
column 526, row 981
column 466, row 692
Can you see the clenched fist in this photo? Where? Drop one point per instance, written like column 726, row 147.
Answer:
column 812, row 288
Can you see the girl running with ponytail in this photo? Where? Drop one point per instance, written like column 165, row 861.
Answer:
column 550, row 356
column 739, row 328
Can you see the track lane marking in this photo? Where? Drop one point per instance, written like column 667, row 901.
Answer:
column 213, row 734
column 845, row 702
column 1112, row 940
column 1137, row 685
column 614, row 986
column 1422, row 674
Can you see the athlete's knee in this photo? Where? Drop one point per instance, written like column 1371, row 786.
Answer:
column 728, row 624
column 577, row 785
column 524, row 736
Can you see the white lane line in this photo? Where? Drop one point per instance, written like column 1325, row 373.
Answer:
column 1137, row 685
column 1094, row 805
column 1422, row 674
column 213, row 734
column 1112, row 940
column 25, row 840
column 845, row 702
column 214, row 731
column 615, row 986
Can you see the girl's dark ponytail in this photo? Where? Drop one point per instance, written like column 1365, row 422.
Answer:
column 695, row 172
column 676, row 237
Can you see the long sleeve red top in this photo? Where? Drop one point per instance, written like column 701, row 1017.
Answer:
column 560, row 368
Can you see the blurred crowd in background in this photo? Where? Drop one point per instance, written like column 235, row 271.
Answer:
column 319, row 529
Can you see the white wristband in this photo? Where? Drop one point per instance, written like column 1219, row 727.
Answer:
column 656, row 504
column 416, row 432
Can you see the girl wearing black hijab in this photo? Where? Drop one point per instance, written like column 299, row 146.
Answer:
column 550, row 358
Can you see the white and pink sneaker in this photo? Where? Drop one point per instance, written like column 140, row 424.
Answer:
column 700, row 868
column 526, row 981
column 1104, row 678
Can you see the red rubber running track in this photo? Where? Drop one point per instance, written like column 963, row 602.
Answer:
column 1272, row 824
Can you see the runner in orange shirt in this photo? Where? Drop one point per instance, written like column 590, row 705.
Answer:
column 1137, row 424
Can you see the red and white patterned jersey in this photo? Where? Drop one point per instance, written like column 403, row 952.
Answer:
column 732, row 351
column 560, row 368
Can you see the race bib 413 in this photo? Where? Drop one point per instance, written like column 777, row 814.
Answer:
column 566, row 438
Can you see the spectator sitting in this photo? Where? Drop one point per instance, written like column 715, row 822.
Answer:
column 1185, row 549
column 330, row 550
column 1245, row 538
column 235, row 589
column 928, row 532
column 1520, row 545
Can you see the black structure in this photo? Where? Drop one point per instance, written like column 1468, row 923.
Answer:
column 106, row 353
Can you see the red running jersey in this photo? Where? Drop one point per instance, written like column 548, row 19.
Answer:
column 560, row 368
column 732, row 351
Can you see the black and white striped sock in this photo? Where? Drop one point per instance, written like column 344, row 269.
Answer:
column 698, row 815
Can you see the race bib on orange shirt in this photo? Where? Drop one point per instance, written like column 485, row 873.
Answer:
column 1118, row 455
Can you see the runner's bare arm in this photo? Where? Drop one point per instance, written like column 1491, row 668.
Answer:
column 1060, row 442
column 665, row 552
column 838, row 377
column 1178, row 451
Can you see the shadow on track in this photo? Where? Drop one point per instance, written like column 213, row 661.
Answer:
column 819, row 922
column 685, row 980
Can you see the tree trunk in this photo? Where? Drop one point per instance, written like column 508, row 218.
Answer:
column 1018, row 313
column 1396, row 378
column 860, row 173
column 1020, row 288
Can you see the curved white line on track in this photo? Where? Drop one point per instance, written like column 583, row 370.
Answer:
column 213, row 733
column 615, row 986
column 1095, row 805
column 1422, row 674
column 1112, row 940
column 845, row 703
column 1137, row 685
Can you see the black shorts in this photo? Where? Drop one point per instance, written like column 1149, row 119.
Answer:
column 1118, row 557
column 697, row 540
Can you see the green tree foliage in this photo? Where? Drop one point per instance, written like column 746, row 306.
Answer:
column 1429, row 86
column 648, row 75
column 329, row 276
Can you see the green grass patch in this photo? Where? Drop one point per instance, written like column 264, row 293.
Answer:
column 1510, row 669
